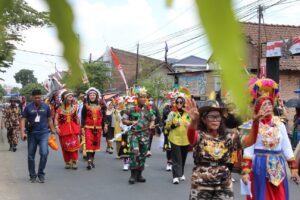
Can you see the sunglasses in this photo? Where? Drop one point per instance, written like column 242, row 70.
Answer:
column 179, row 102
column 212, row 118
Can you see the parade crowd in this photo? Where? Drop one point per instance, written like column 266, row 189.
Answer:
column 215, row 132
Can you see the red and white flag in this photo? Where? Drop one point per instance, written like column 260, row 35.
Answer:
column 119, row 67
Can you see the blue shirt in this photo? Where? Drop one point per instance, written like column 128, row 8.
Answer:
column 30, row 113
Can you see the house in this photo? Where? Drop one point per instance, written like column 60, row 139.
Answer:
column 147, row 67
column 194, row 73
column 289, row 68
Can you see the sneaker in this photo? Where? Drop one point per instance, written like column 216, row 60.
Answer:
column 233, row 180
column 125, row 167
column 32, row 179
column 175, row 181
column 68, row 166
column 74, row 165
column 149, row 154
column 14, row 149
column 41, row 179
column 182, row 178
column 169, row 167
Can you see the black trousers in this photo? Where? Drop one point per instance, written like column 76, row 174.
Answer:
column 178, row 155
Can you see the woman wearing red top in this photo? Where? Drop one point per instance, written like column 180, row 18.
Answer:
column 91, row 123
column 68, row 129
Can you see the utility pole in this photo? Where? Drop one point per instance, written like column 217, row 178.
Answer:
column 137, row 64
column 90, row 58
column 260, row 9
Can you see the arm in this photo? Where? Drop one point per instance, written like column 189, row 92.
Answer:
column 22, row 127
column 51, row 126
column 56, row 123
column 83, row 116
column 250, row 139
column 192, row 135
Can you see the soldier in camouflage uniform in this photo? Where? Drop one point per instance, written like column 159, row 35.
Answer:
column 142, row 118
column 11, row 118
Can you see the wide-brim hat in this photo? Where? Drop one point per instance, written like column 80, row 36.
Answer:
column 210, row 105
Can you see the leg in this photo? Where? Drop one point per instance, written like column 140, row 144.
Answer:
column 184, row 153
column 44, row 151
column 134, row 151
column 32, row 146
column 9, row 138
column 15, row 139
column 176, row 161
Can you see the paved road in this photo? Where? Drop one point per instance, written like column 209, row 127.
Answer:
column 106, row 182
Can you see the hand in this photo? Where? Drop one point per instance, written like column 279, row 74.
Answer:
column 192, row 109
column 295, row 177
column 105, row 129
column 260, row 115
column 82, row 131
column 135, row 123
column 152, row 126
column 246, row 178
column 23, row 136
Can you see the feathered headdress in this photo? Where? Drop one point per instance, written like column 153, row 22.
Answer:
column 264, row 87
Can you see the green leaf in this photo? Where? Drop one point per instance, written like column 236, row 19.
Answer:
column 169, row 3
column 228, row 45
column 62, row 16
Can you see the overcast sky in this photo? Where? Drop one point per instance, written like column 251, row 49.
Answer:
column 121, row 24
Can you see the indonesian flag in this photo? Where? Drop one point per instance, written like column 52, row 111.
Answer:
column 119, row 67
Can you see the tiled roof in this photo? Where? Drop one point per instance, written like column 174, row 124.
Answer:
column 272, row 32
column 191, row 60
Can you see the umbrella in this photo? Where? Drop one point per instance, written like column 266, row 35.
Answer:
column 297, row 91
column 293, row 103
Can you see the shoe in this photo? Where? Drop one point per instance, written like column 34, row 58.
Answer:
column 93, row 164
column 32, row 179
column 74, row 165
column 149, row 154
column 14, row 149
column 139, row 177
column 125, row 167
column 182, row 178
column 110, row 150
column 68, row 165
column 169, row 167
column 132, row 178
column 41, row 179
column 175, row 181
column 89, row 166
column 233, row 180
column 10, row 148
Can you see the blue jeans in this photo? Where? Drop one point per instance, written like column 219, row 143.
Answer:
column 34, row 140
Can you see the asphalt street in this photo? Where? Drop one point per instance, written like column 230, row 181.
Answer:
column 106, row 182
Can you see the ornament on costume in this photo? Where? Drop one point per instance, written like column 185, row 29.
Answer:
column 264, row 87
column 172, row 95
column 140, row 91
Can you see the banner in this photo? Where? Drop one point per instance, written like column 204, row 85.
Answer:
column 283, row 47
column 119, row 67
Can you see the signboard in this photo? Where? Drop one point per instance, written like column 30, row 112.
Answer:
column 283, row 48
column 195, row 82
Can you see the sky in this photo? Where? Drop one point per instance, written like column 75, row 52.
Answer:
column 122, row 24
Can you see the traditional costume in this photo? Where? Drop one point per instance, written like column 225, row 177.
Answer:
column 91, row 122
column 268, row 149
column 67, row 121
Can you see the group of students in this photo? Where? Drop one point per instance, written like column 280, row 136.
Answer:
column 213, row 132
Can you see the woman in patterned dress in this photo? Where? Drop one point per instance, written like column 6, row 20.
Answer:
column 211, row 178
column 68, row 128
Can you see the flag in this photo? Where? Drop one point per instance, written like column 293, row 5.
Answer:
column 57, row 73
column 119, row 67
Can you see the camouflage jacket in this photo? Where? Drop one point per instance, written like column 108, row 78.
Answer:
column 11, row 116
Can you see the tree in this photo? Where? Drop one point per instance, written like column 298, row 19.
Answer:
column 26, row 90
column 98, row 76
column 15, row 90
column 25, row 76
column 157, row 86
column 16, row 17
column 2, row 92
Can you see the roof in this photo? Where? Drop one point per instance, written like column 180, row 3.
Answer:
column 191, row 60
column 272, row 32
